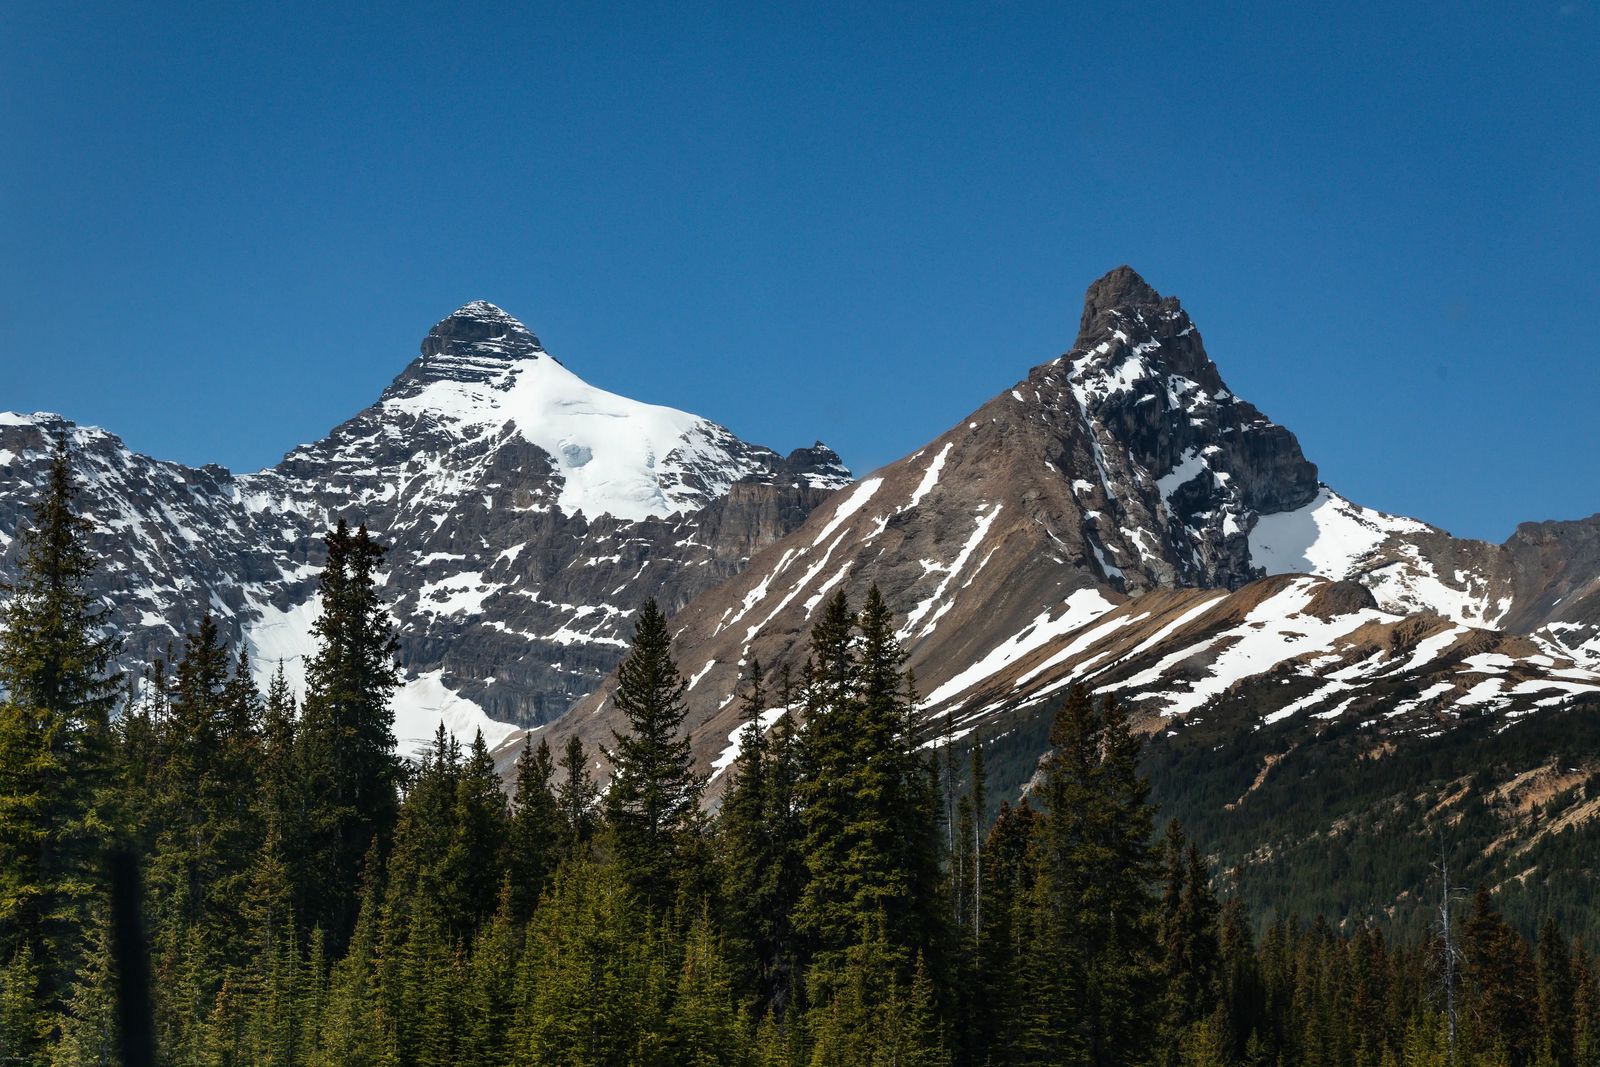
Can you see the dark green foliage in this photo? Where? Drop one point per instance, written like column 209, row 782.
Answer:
column 203, row 811
column 346, row 737
column 575, row 799
column 56, row 697
column 1092, row 909
column 537, row 834
column 870, row 810
column 652, row 806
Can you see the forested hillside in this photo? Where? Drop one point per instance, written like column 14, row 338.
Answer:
column 310, row 898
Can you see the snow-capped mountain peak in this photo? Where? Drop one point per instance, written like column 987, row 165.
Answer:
column 526, row 512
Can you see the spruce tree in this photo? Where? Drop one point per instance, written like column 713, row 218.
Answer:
column 575, row 799
column 869, row 799
column 57, row 693
column 654, row 797
column 828, row 912
column 346, row 734
column 205, row 808
column 593, row 983
column 1555, row 997
column 1094, row 910
column 537, row 834
column 744, row 839
column 1502, row 995
column 489, row 1007
column 1190, row 952
column 474, row 858
column 704, row 1026
column 89, row 1028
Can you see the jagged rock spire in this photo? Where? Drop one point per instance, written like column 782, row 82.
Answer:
column 1121, row 287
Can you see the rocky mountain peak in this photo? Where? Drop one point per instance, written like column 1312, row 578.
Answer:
column 1118, row 288
column 474, row 342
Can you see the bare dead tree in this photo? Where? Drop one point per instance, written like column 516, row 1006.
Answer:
column 1449, row 954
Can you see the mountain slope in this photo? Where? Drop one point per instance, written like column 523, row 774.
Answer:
column 1122, row 469
column 528, row 514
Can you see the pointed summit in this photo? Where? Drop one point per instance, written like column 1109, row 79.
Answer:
column 475, row 342
column 1121, row 287
column 480, row 329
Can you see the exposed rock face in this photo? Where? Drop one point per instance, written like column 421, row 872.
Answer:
column 528, row 515
column 1120, row 477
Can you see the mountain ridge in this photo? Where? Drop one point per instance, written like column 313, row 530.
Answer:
column 1121, row 469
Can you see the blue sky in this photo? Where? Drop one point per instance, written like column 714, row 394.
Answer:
column 225, row 227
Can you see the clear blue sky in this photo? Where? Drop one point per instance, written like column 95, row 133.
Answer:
column 225, row 227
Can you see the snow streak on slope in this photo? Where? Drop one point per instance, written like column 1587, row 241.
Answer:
column 425, row 701
column 1285, row 645
column 1081, row 607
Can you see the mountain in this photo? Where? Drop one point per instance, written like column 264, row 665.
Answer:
column 528, row 513
column 1114, row 518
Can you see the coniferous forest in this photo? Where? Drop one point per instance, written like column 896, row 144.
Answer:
column 305, row 896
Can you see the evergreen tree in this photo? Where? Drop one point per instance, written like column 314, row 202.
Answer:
column 536, row 832
column 489, row 1006
column 24, row 1025
column 56, row 697
column 785, row 844
column 283, row 803
column 575, row 799
column 704, row 1026
column 869, row 802
column 89, row 1028
column 346, row 732
column 1093, row 908
column 1502, row 996
column 592, row 985
column 1190, row 950
column 1555, row 997
column 473, row 861
column 205, row 809
column 652, row 806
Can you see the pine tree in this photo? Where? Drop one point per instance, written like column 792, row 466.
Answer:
column 283, row 801
column 786, row 872
column 89, row 1029
column 536, row 835
column 205, row 807
column 58, row 695
column 24, row 1025
column 593, row 985
column 704, row 1026
column 1585, row 1010
column 743, row 839
column 575, row 799
column 1498, row 970
column 354, row 1030
column 1555, row 997
column 1094, row 910
column 346, row 734
column 653, row 801
column 473, row 861
column 1190, row 952
column 869, row 801
column 491, row 982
